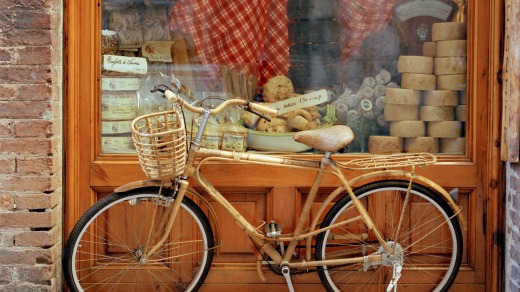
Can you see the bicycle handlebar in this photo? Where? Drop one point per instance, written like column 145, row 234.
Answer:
column 255, row 108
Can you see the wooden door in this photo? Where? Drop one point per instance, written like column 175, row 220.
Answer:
column 266, row 194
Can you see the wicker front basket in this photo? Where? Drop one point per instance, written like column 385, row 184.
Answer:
column 160, row 142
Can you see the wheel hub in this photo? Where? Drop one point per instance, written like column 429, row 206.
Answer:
column 396, row 257
column 139, row 255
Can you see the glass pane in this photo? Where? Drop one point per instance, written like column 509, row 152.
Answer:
column 394, row 71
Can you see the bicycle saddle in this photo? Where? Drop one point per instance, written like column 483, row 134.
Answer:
column 329, row 139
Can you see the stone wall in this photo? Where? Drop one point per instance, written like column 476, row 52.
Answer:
column 31, row 144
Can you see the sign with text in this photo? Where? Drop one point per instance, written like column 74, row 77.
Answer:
column 125, row 64
column 301, row 101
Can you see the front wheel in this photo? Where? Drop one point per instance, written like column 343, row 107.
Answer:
column 109, row 248
column 425, row 240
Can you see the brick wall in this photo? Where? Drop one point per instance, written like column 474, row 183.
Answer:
column 512, row 210
column 30, row 145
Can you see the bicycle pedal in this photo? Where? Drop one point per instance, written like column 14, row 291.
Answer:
column 273, row 229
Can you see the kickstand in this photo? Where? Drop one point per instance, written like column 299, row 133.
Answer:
column 287, row 274
column 395, row 277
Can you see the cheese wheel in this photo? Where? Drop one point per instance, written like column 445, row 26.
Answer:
column 445, row 129
column 436, row 113
column 451, row 48
column 401, row 112
column 451, row 82
column 407, row 129
column 415, row 64
column 453, row 145
column 421, row 144
column 429, row 49
column 460, row 113
column 462, row 97
column 441, row 98
column 443, row 31
column 449, row 65
column 418, row 81
column 402, row 96
column 385, row 144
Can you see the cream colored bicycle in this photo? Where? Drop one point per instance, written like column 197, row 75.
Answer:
column 394, row 231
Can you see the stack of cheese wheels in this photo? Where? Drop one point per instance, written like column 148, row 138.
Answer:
column 417, row 76
column 450, row 66
column 429, row 110
column 401, row 109
column 450, row 55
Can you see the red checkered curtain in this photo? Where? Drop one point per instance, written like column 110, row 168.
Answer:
column 231, row 32
column 359, row 18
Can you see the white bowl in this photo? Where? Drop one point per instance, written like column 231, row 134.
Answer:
column 278, row 142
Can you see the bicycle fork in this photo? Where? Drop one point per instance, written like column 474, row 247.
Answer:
column 183, row 186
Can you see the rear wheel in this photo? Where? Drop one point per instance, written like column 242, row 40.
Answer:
column 428, row 242
column 109, row 248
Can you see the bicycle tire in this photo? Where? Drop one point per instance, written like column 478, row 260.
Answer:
column 116, row 261
column 430, row 240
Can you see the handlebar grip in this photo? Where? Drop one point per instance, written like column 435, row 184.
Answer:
column 171, row 96
column 263, row 109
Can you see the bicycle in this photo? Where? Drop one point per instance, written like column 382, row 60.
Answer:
column 172, row 245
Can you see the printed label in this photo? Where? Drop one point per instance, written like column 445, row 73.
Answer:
column 125, row 64
column 119, row 84
column 118, row 106
column 232, row 142
column 117, row 145
column 116, row 127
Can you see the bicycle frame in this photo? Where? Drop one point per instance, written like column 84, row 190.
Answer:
column 198, row 156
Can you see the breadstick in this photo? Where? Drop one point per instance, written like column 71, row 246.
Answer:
column 243, row 84
column 236, row 85
column 249, row 90
column 223, row 78
column 229, row 81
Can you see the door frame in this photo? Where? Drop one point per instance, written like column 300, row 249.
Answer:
column 87, row 172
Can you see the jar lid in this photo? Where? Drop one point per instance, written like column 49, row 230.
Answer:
column 107, row 32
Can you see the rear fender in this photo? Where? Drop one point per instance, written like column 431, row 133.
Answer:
column 405, row 175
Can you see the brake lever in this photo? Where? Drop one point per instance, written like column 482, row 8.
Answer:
column 160, row 88
column 247, row 108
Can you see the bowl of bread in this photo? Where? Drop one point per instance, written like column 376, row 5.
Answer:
column 296, row 112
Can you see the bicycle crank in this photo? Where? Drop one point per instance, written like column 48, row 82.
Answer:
column 287, row 274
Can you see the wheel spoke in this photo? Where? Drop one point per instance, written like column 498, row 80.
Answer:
column 419, row 227
column 107, row 248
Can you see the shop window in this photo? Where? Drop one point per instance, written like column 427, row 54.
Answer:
column 394, row 71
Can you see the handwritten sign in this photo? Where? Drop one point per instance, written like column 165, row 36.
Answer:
column 157, row 51
column 301, row 101
column 125, row 64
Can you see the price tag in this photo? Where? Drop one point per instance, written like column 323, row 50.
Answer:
column 157, row 51
column 125, row 64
